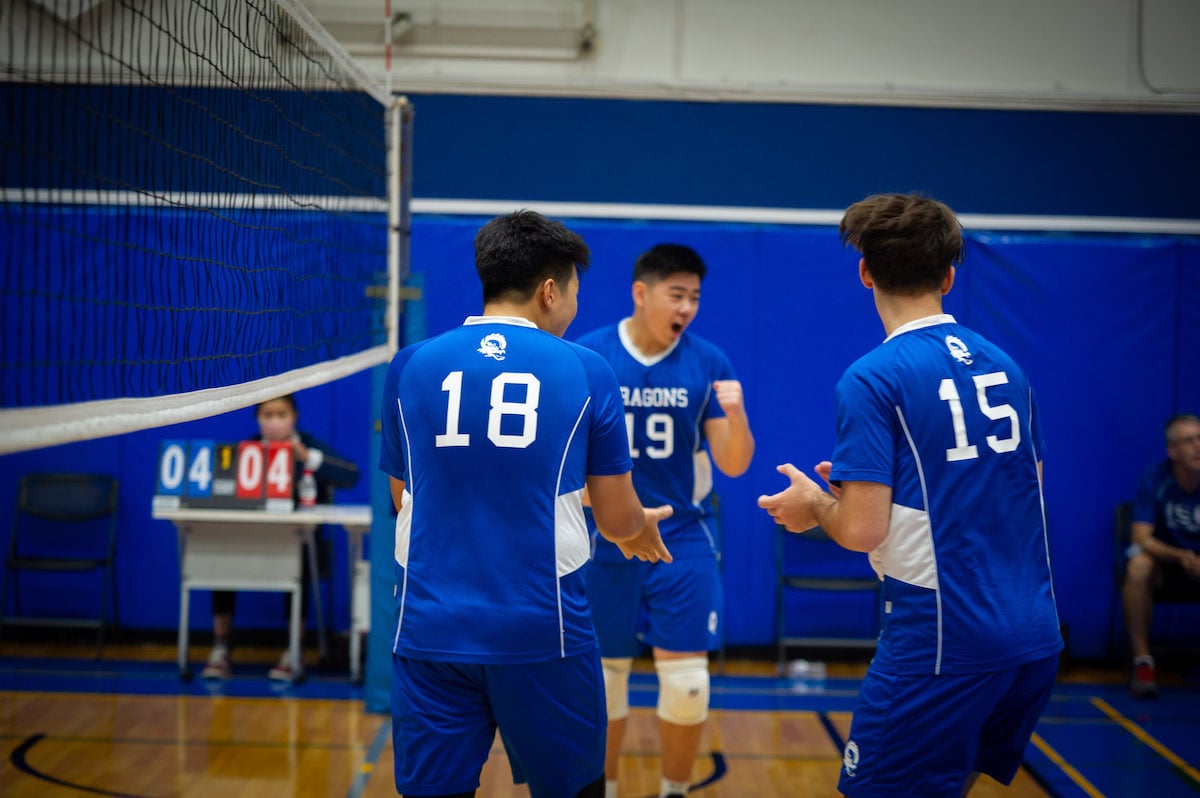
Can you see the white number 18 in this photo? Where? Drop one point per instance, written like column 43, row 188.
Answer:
column 500, row 407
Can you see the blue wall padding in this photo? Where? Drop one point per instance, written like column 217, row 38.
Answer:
column 1100, row 323
column 780, row 155
column 1106, row 326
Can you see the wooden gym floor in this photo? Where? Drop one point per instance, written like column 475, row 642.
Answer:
column 127, row 726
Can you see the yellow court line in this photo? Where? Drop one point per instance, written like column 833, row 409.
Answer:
column 1065, row 767
column 1140, row 733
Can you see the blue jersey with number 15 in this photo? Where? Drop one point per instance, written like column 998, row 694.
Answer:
column 948, row 420
column 493, row 427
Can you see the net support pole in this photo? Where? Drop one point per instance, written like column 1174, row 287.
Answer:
column 395, row 179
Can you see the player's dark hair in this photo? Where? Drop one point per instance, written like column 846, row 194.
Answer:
column 1179, row 418
column 663, row 260
column 909, row 242
column 516, row 252
column 287, row 397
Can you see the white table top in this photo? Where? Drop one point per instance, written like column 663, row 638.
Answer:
column 347, row 515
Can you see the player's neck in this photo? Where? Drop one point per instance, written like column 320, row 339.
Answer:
column 524, row 310
column 896, row 311
column 641, row 338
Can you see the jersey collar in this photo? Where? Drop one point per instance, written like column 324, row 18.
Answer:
column 917, row 324
column 635, row 353
column 517, row 320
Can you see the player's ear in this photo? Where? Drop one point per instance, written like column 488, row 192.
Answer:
column 863, row 274
column 948, row 281
column 546, row 292
column 639, row 292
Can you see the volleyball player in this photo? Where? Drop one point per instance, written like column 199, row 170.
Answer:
column 937, row 473
column 491, row 432
column 680, row 392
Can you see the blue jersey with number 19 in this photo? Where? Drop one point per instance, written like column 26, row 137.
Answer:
column 667, row 398
column 948, row 420
column 493, row 428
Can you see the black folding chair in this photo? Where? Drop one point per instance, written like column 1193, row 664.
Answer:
column 63, row 523
column 812, row 561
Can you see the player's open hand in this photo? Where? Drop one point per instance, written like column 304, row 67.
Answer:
column 793, row 506
column 648, row 546
column 729, row 396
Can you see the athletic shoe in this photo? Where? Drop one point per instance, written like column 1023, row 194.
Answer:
column 217, row 667
column 284, row 671
column 1143, row 684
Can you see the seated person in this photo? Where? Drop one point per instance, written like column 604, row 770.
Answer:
column 277, row 422
column 1164, row 555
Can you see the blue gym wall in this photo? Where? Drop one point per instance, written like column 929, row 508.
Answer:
column 1106, row 324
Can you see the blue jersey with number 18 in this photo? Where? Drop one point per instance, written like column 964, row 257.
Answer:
column 948, row 420
column 493, row 428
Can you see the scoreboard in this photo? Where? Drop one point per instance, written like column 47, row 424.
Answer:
column 244, row 475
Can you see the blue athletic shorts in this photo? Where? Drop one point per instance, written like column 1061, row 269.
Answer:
column 675, row 606
column 445, row 715
column 924, row 735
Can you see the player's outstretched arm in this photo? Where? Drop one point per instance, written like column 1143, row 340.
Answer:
column 620, row 518
column 856, row 515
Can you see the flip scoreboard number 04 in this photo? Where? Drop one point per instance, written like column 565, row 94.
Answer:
column 204, row 473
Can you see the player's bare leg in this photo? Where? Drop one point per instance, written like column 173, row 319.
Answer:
column 682, row 711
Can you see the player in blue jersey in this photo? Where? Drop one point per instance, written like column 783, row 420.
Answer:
column 679, row 392
column 1164, row 558
column 491, row 432
column 937, row 473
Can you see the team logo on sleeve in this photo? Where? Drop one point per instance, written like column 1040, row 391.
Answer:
column 493, row 345
column 958, row 350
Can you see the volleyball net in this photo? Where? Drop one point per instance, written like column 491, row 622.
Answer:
column 204, row 204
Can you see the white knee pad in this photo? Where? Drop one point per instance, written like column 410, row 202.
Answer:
column 683, row 690
column 616, row 685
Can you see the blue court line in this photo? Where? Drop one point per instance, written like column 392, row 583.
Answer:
column 368, row 765
column 49, row 675
column 838, row 743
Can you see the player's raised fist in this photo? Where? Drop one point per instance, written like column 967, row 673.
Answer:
column 729, row 395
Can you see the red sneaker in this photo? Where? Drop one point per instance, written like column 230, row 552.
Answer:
column 286, row 671
column 1143, row 684
column 217, row 668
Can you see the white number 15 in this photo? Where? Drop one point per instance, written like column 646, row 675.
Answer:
column 963, row 450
